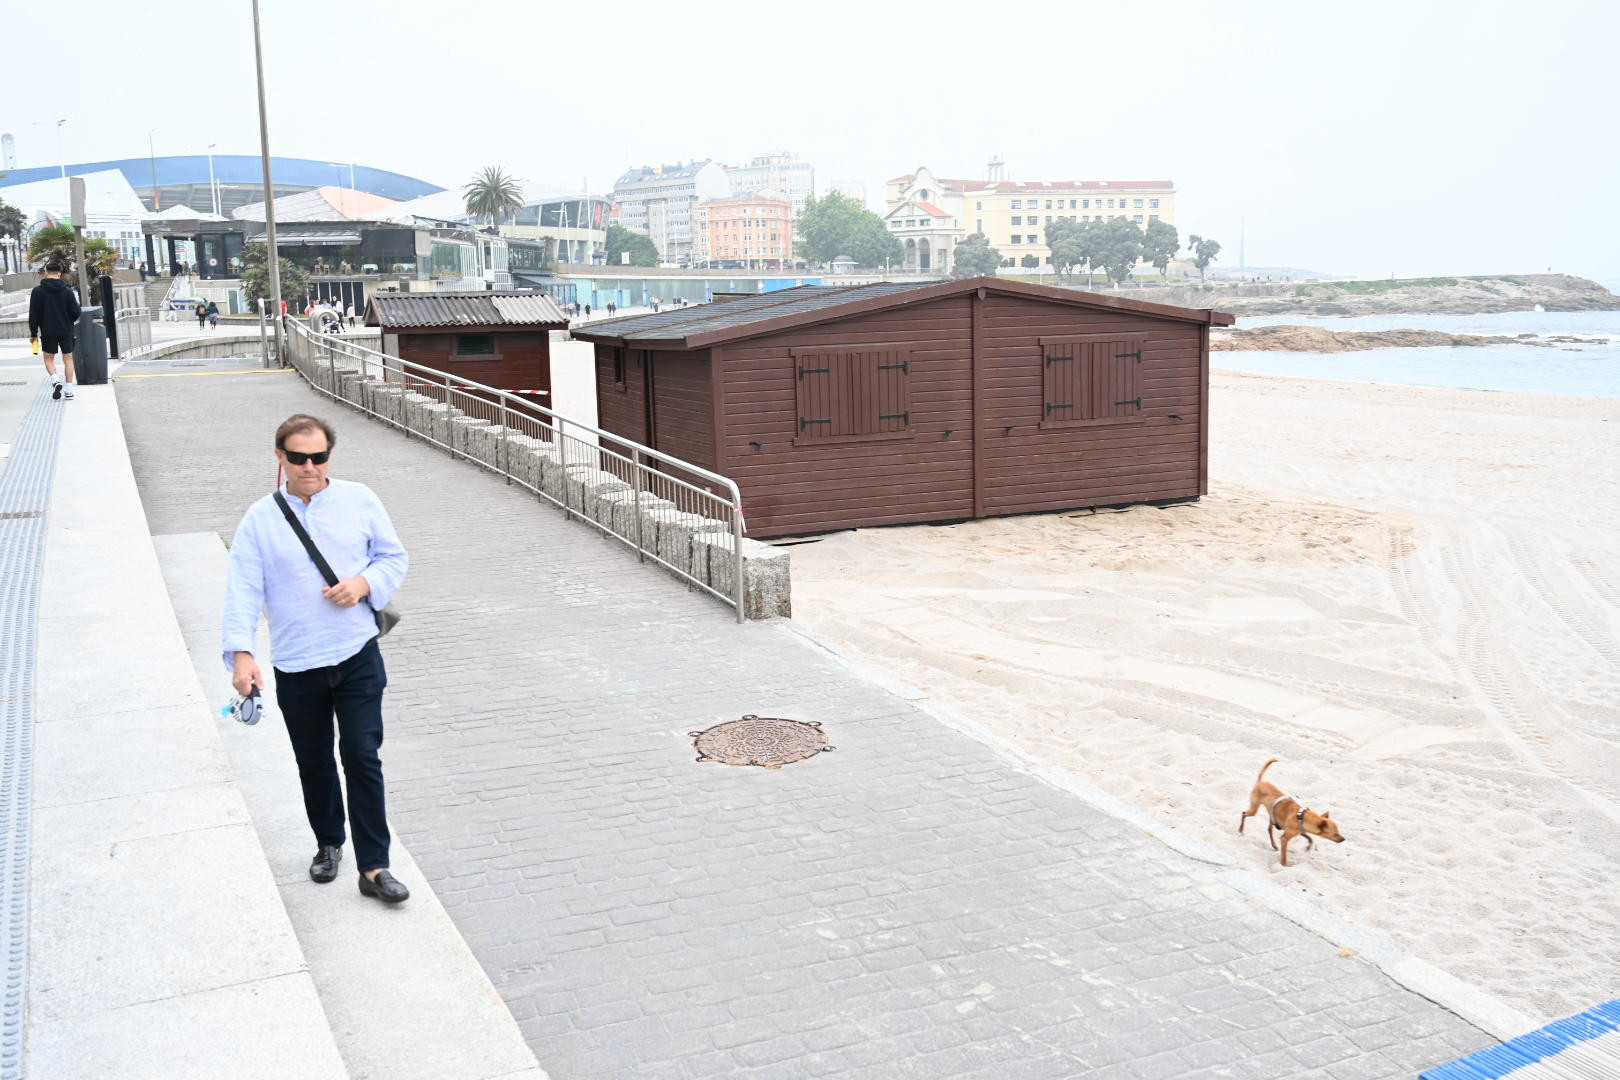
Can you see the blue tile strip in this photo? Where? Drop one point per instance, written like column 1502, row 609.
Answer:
column 25, row 488
column 1538, row 1045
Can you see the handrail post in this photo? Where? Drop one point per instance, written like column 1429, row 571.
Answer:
column 505, row 455
column 447, row 439
column 635, row 462
column 738, row 588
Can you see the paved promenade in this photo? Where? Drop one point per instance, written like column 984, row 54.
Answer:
column 911, row 905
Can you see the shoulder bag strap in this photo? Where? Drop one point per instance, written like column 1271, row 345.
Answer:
column 309, row 545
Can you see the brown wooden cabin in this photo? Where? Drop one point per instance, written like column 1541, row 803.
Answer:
column 501, row 339
column 836, row 407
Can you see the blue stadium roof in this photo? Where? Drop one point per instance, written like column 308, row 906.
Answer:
column 238, row 169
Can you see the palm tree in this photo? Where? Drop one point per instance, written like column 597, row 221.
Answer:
column 493, row 194
column 55, row 242
column 12, row 221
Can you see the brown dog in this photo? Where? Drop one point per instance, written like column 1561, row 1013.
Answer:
column 1288, row 815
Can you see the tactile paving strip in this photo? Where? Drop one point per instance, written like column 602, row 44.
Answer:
column 25, row 489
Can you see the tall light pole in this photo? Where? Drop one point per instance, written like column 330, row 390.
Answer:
column 213, row 188
column 274, row 255
column 151, row 153
column 61, row 161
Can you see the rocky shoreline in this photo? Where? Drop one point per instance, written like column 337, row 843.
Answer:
column 1440, row 296
column 1321, row 339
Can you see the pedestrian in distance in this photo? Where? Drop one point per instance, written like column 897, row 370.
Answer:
column 213, row 315
column 143, row 271
column 323, row 640
column 202, row 313
column 587, row 311
column 612, row 307
column 348, row 313
column 53, row 315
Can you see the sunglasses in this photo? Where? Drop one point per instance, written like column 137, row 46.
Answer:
column 295, row 458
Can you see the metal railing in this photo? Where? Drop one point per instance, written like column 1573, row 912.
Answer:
column 134, row 328
column 684, row 499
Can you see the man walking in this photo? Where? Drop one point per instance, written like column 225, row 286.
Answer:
column 323, row 640
column 53, row 315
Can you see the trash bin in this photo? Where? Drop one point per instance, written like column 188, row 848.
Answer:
column 90, row 351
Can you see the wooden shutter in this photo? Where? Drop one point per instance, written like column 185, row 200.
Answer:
column 881, row 391
column 853, row 394
column 1063, row 380
column 1090, row 381
column 823, row 383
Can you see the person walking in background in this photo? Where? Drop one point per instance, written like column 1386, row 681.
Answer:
column 587, row 311
column 348, row 313
column 53, row 315
column 143, row 271
column 213, row 315
column 202, row 313
column 323, row 639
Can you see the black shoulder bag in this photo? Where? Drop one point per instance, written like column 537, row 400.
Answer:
column 387, row 618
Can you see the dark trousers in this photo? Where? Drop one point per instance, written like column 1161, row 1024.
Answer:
column 351, row 691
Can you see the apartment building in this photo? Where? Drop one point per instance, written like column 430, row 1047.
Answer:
column 753, row 231
column 659, row 202
column 1014, row 214
column 780, row 172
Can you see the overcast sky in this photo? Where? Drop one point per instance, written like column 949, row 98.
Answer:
column 1419, row 137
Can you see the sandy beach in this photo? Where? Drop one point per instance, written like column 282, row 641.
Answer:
column 1409, row 596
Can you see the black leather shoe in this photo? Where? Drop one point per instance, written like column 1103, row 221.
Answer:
column 386, row 888
column 323, row 867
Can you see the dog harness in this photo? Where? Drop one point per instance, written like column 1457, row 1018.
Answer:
column 1299, row 817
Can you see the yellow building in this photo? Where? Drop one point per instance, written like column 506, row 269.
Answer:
column 1014, row 215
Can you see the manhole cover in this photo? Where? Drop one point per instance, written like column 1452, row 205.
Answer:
column 768, row 741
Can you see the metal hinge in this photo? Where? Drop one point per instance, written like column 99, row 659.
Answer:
column 812, row 371
column 805, row 422
column 1050, row 360
column 1137, row 355
column 1134, row 401
column 903, row 417
column 1065, row 405
column 890, row 367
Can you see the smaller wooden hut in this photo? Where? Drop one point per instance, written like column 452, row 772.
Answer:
column 845, row 406
column 501, row 339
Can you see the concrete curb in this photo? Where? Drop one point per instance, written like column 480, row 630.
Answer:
column 1477, row 1006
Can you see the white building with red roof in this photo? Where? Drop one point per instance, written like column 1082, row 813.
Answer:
column 1014, row 214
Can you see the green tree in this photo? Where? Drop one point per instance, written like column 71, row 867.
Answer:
column 1029, row 262
column 493, row 194
column 256, row 279
column 1159, row 245
column 1065, row 239
column 836, row 224
column 1118, row 247
column 55, row 242
column 643, row 252
column 1204, row 251
column 974, row 257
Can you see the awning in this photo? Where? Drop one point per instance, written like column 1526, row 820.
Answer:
column 308, row 239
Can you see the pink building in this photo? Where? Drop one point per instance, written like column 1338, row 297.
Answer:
column 745, row 232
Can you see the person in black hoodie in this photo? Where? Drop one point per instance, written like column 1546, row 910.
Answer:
column 53, row 314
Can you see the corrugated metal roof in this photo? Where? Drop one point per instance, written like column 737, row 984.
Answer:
column 1584, row 1045
column 669, row 325
column 464, row 309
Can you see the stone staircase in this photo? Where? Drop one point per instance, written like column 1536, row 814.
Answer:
column 156, row 290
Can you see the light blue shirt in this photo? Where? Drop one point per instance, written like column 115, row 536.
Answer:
column 271, row 572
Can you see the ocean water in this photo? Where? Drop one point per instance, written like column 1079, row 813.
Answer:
column 1565, row 370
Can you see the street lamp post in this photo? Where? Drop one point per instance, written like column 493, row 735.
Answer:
column 213, row 188
column 274, row 255
column 151, row 153
column 60, row 159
